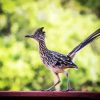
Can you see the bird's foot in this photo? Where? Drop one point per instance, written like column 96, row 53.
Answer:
column 69, row 89
column 48, row 90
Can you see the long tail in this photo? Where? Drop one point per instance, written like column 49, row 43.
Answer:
column 84, row 43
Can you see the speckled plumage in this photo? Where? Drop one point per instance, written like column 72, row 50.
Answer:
column 55, row 61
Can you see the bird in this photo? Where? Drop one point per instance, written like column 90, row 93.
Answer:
column 55, row 61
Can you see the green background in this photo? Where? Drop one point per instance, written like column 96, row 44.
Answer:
column 67, row 23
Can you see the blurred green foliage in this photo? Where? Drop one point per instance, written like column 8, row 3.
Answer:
column 67, row 23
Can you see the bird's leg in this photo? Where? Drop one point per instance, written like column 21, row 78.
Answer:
column 68, row 82
column 58, row 81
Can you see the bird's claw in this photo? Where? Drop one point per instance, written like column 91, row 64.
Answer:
column 69, row 89
column 47, row 90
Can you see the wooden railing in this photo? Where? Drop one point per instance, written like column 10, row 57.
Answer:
column 74, row 94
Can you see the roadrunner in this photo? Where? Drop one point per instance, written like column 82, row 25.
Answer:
column 55, row 61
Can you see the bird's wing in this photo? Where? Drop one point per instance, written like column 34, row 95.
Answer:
column 62, row 60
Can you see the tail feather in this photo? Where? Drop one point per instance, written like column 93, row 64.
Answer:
column 85, row 42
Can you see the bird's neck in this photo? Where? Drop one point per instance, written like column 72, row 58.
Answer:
column 42, row 47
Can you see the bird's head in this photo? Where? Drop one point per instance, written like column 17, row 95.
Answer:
column 38, row 35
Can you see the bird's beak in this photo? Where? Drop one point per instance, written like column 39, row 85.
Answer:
column 29, row 36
